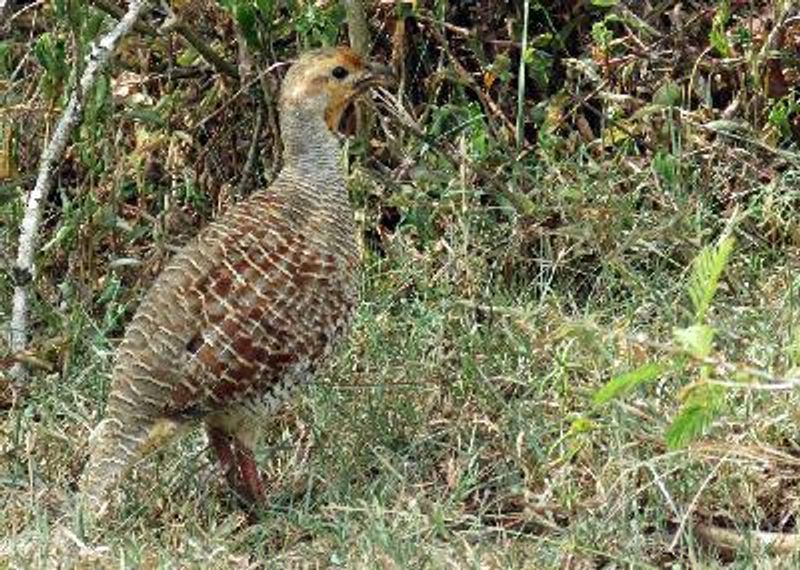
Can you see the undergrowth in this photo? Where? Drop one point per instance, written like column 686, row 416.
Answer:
column 578, row 341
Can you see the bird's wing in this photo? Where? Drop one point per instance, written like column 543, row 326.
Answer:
column 256, row 296
column 269, row 306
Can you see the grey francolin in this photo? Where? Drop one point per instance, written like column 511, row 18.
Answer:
column 244, row 314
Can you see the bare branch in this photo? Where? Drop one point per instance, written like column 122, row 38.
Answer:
column 177, row 26
column 357, row 28
column 729, row 541
column 252, row 155
column 358, row 32
column 24, row 271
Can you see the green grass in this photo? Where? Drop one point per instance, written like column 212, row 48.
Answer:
column 456, row 428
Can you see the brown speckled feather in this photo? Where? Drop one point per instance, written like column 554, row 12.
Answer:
column 244, row 314
column 260, row 294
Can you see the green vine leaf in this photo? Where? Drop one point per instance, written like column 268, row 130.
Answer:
column 706, row 272
column 624, row 383
column 697, row 340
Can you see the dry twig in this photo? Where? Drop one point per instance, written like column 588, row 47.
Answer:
column 358, row 33
column 493, row 109
column 729, row 541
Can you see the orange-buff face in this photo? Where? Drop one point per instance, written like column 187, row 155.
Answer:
column 332, row 78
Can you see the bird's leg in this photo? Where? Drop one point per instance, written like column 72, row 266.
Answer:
column 223, row 447
column 253, row 483
column 239, row 465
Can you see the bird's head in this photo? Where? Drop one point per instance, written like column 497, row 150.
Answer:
column 325, row 81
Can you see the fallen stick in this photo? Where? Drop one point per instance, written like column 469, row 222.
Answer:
column 729, row 541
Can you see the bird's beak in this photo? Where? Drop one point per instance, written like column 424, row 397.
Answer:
column 375, row 74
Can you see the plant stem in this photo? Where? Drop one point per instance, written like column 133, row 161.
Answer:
column 521, row 77
column 25, row 270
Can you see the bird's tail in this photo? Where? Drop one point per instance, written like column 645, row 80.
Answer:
column 115, row 446
column 113, row 450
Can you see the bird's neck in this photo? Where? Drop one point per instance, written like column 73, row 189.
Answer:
column 313, row 177
column 311, row 150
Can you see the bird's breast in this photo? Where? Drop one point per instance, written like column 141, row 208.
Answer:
column 244, row 313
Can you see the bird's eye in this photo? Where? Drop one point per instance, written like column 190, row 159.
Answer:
column 340, row 72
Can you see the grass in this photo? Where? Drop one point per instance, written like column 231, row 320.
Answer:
column 457, row 426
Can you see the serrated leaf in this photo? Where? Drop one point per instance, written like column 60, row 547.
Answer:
column 706, row 272
column 627, row 381
column 689, row 424
column 697, row 340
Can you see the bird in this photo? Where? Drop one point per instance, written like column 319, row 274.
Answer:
column 243, row 315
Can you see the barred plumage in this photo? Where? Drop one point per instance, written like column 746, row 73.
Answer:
column 244, row 314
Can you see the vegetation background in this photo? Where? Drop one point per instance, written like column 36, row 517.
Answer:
column 578, row 346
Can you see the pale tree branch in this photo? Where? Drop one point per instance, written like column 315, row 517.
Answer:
column 183, row 30
column 357, row 28
column 358, row 32
column 24, row 270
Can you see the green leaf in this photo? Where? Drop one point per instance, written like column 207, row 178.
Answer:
column 668, row 95
column 50, row 51
column 601, row 34
column 92, row 27
column 687, row 426
column 5, row 59
column 717, row 37
column 146, row 115
column 245, row 15
column 700, row 410
column 266, row 7
column 42, row 49
column 626, row 382
column 59, row 9
column 101, row 91
column 187, row 57
column 581, row 425
column 706, row 272
column 667, row 168
column 605, row 3
column 697, row 340
column 528, row 55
